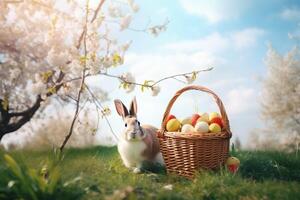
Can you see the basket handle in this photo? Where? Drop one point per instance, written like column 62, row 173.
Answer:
column 203, row 89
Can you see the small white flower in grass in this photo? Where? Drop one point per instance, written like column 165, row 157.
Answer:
column 168, row 187
column 125, row 22
column 155, row 90
column 11, row 184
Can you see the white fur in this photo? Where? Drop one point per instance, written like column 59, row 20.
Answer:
column 131, row 154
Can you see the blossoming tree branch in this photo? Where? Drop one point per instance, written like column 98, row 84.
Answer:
column 48, row 48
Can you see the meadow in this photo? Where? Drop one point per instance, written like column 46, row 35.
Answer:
column 98, row 173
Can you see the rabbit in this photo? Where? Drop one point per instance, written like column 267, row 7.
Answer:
column 137, row 143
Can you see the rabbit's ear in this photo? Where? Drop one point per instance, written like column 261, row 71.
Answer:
column 133, row 107
column 121, row 108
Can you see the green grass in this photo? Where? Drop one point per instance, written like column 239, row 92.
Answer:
column 262, row 175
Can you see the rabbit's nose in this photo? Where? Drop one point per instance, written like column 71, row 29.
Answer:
column 133, row 135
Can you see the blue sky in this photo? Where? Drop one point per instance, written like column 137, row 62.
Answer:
column 232, row 36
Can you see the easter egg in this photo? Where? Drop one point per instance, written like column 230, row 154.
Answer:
column 201, row 127
column 170, row 117
column 233, row 164
column 217, row 120
column 204, row 118
column 194, row 119
column 214, row 128
column 187, row 128
column 213, row 115
column 173, row 125
column 186, row 121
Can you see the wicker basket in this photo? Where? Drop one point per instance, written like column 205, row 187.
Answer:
column 185, row 153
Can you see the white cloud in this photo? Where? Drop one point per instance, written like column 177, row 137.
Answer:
column 241, row 100
column 159, row 65
column 213, row 43
column 215, row 11
column 290, row 14
column 218, row 43
column 247, row 37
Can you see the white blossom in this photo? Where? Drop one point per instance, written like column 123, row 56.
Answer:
column 14, row 73
column 281, row 92
column 134, row 7
column 126, row 46
column 38, row 88
column 155, row 90
column 125, row 22
column 189, row 79
column 55, row 58
column 114, row 11
column 128, row 80
column 107, row 62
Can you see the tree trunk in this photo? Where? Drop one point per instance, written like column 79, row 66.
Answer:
column 6, row 126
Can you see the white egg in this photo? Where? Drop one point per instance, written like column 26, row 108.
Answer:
column 187, row 128
column 202, row 127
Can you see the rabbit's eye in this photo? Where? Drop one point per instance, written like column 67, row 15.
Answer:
column 139, row 123
column 126, row 125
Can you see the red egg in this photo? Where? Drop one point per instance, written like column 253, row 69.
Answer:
column 171, row 117
column 194, row 119
column 217, row 120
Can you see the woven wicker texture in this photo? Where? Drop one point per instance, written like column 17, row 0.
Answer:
column 185, row 153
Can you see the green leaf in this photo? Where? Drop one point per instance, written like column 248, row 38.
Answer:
column 83, row 60
column 5, row 103
column 51, row 90
column 46, row 75
column 147, row 85
column 13, row 165
column 194, row 75
column 54, row 177
column 117, row 59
